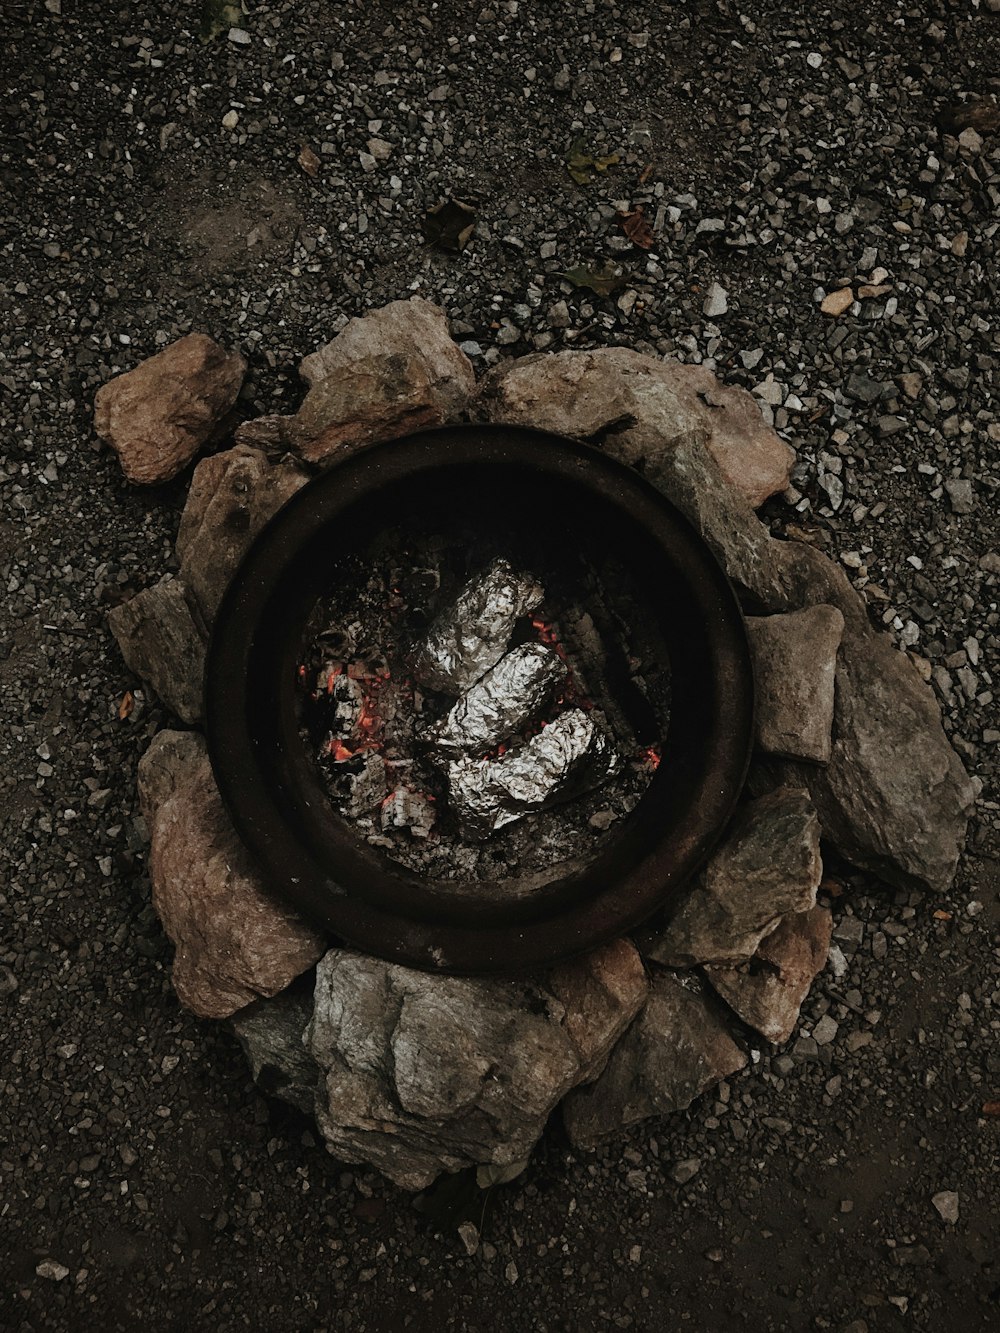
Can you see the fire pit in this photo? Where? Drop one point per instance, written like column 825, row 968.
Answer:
column 478, row 699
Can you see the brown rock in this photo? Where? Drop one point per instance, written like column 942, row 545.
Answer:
column 767, row 992
column 157, row 416
column 640, row 410
column 677, row 1048
column 426, row 1073
column 233, row 941
column 394, row 371
column 768, row 866
column 894, row 797
column 751, row 455
column 232, row 496
column 795, row 658
column 601, row 996
column 835, row 303
column 160, row 642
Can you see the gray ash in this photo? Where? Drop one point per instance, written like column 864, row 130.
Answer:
column 478, row 716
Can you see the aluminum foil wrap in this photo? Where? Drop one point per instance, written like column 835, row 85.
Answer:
column 473, row 633
column 497, row 706
column 573, row 754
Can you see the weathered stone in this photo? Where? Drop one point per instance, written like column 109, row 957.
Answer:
column 795, row 658
column 394, row 371
column 767, row 992
column 752, row 456
column 157, row 416
column 232, row 496
column 768, row 866
column 677, row 1048
column 161, row 643
column 894, row 797
column 601, row 996
column 640, row 410
column 271, row 1033
column 233, row 942
column 426, row 1073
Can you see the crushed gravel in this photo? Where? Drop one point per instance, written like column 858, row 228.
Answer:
column 265, row 186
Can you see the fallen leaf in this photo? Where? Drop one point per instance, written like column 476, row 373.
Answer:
column 647, row 171
column 832, row 887
column 991, row 1108
column 308, row 160
column 604, row 280
column 126, row 705
column 218, row 16
column 582, row 165
column 450, row 224
column 636, row 227
column 982, row 115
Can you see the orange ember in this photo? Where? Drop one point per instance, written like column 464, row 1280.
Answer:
column 651, row 756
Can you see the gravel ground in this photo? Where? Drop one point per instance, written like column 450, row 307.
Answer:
column 151, row 185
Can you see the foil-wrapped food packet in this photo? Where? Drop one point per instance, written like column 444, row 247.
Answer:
column 499, row 705
column 472, row 634
column 571, row 755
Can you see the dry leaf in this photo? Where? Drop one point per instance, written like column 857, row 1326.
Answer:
column 308, row 160
column 126, row 705
column 991, row 1108
column 450, row 224
column 604, row 280
column 636, row 227
column 647, row 171
column 582, row 165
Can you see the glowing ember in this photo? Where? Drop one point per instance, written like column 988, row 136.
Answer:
column 651, row 757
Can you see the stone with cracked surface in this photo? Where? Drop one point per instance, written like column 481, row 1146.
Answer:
column 427, row 1073
column 271, row 1033
column 232, row 496
column 678, row 1047
column 795, row 658
column 639, row 409
column 386, row 374
column 157, row 416
column 161, row 643
column 233, row 942
column 768, row 866
column 767, row 991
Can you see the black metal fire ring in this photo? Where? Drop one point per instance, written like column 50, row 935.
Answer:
column 312, row 859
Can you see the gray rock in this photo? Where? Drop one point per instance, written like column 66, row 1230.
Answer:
column 946, row 1205
column 677, row 1047
column 233, row 942
column 271, row 1033
column 768, row 866
column 767, row 992
column 161, row 643
column 716, row 301
column 157, row 416
column 894, row 797
column 425, row 1073
column 795, row 658
column 645, row 412
column 391, row 372
column 960, row 496
column 232, row 496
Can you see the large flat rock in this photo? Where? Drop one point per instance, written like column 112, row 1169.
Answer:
column 425, row 1073
column 639, row 409
column 157, row 416
column 386, row 374
column 678, row 1047
column 161, row 643
column 768, row 866
column 233, row 942
column 232, row 496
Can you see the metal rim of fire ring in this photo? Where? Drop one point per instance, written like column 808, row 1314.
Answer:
column 314, row 861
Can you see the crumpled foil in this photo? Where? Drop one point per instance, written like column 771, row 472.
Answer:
column 497, row 706
column 573, row 754
column 473, row 633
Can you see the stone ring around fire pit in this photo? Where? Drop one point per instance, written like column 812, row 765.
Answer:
column 560, row 500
